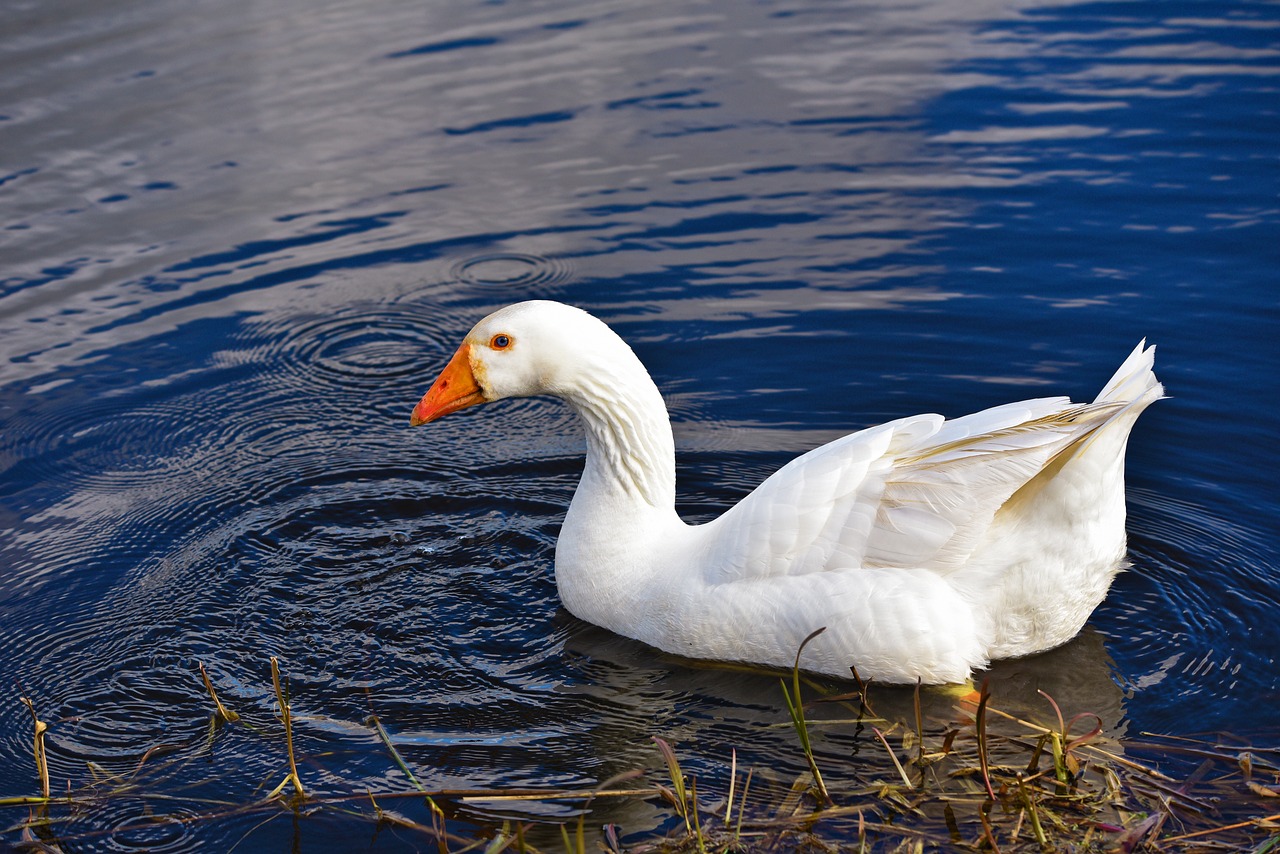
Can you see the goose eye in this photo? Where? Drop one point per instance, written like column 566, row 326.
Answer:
column 501, row 341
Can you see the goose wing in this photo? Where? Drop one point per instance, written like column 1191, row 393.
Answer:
column 918, row 492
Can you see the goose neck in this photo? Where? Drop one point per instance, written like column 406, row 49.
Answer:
column 630, row 449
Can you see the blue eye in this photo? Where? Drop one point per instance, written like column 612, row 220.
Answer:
column 500, row 341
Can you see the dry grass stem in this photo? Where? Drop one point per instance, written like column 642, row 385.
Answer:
column 224, row 714
column 286, row 718
column 997, row 783
column 42, row 761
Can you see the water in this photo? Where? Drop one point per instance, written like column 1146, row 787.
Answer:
column 238, row 246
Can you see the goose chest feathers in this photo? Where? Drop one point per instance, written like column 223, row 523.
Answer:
column 926, row 547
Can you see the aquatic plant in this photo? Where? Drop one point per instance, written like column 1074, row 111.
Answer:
column 981, row 779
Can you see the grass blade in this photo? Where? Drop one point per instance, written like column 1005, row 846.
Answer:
column 795, row 706
column 224, row 714
column 42, row 761
column 287, row 719
column 981, row 724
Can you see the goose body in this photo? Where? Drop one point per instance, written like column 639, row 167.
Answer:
column 925, row 547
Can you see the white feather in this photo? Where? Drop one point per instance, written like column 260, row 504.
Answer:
column 925, row 547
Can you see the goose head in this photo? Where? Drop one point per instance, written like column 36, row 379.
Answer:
column 527, row 349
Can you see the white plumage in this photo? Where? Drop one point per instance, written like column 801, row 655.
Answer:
column 925, row 547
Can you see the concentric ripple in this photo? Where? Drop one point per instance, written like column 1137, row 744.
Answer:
column 511, row 270
column 354, row 349
column 130, row 826
column 365, row 350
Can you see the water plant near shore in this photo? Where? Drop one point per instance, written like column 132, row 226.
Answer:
column 983, row 779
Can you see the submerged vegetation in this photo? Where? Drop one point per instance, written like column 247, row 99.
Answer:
column 979, row 778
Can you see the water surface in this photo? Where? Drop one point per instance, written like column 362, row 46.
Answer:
column 238, row 246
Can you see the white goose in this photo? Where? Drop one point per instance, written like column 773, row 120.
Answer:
column 925, row 547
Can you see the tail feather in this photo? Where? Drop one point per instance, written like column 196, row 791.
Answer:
column 1135, row 380
column 1108, row 419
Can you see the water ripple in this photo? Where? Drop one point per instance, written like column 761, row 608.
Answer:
column 1173, row 625
column 130, row 826
column 354, row 349
column 512, row 270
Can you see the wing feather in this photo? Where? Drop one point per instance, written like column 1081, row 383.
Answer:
column 916, row 493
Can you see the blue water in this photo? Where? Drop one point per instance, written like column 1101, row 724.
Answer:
column 239, row 242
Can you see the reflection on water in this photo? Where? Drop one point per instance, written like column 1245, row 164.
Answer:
column 237, row 247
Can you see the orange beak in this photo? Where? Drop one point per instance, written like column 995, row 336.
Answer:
column 456, row 388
